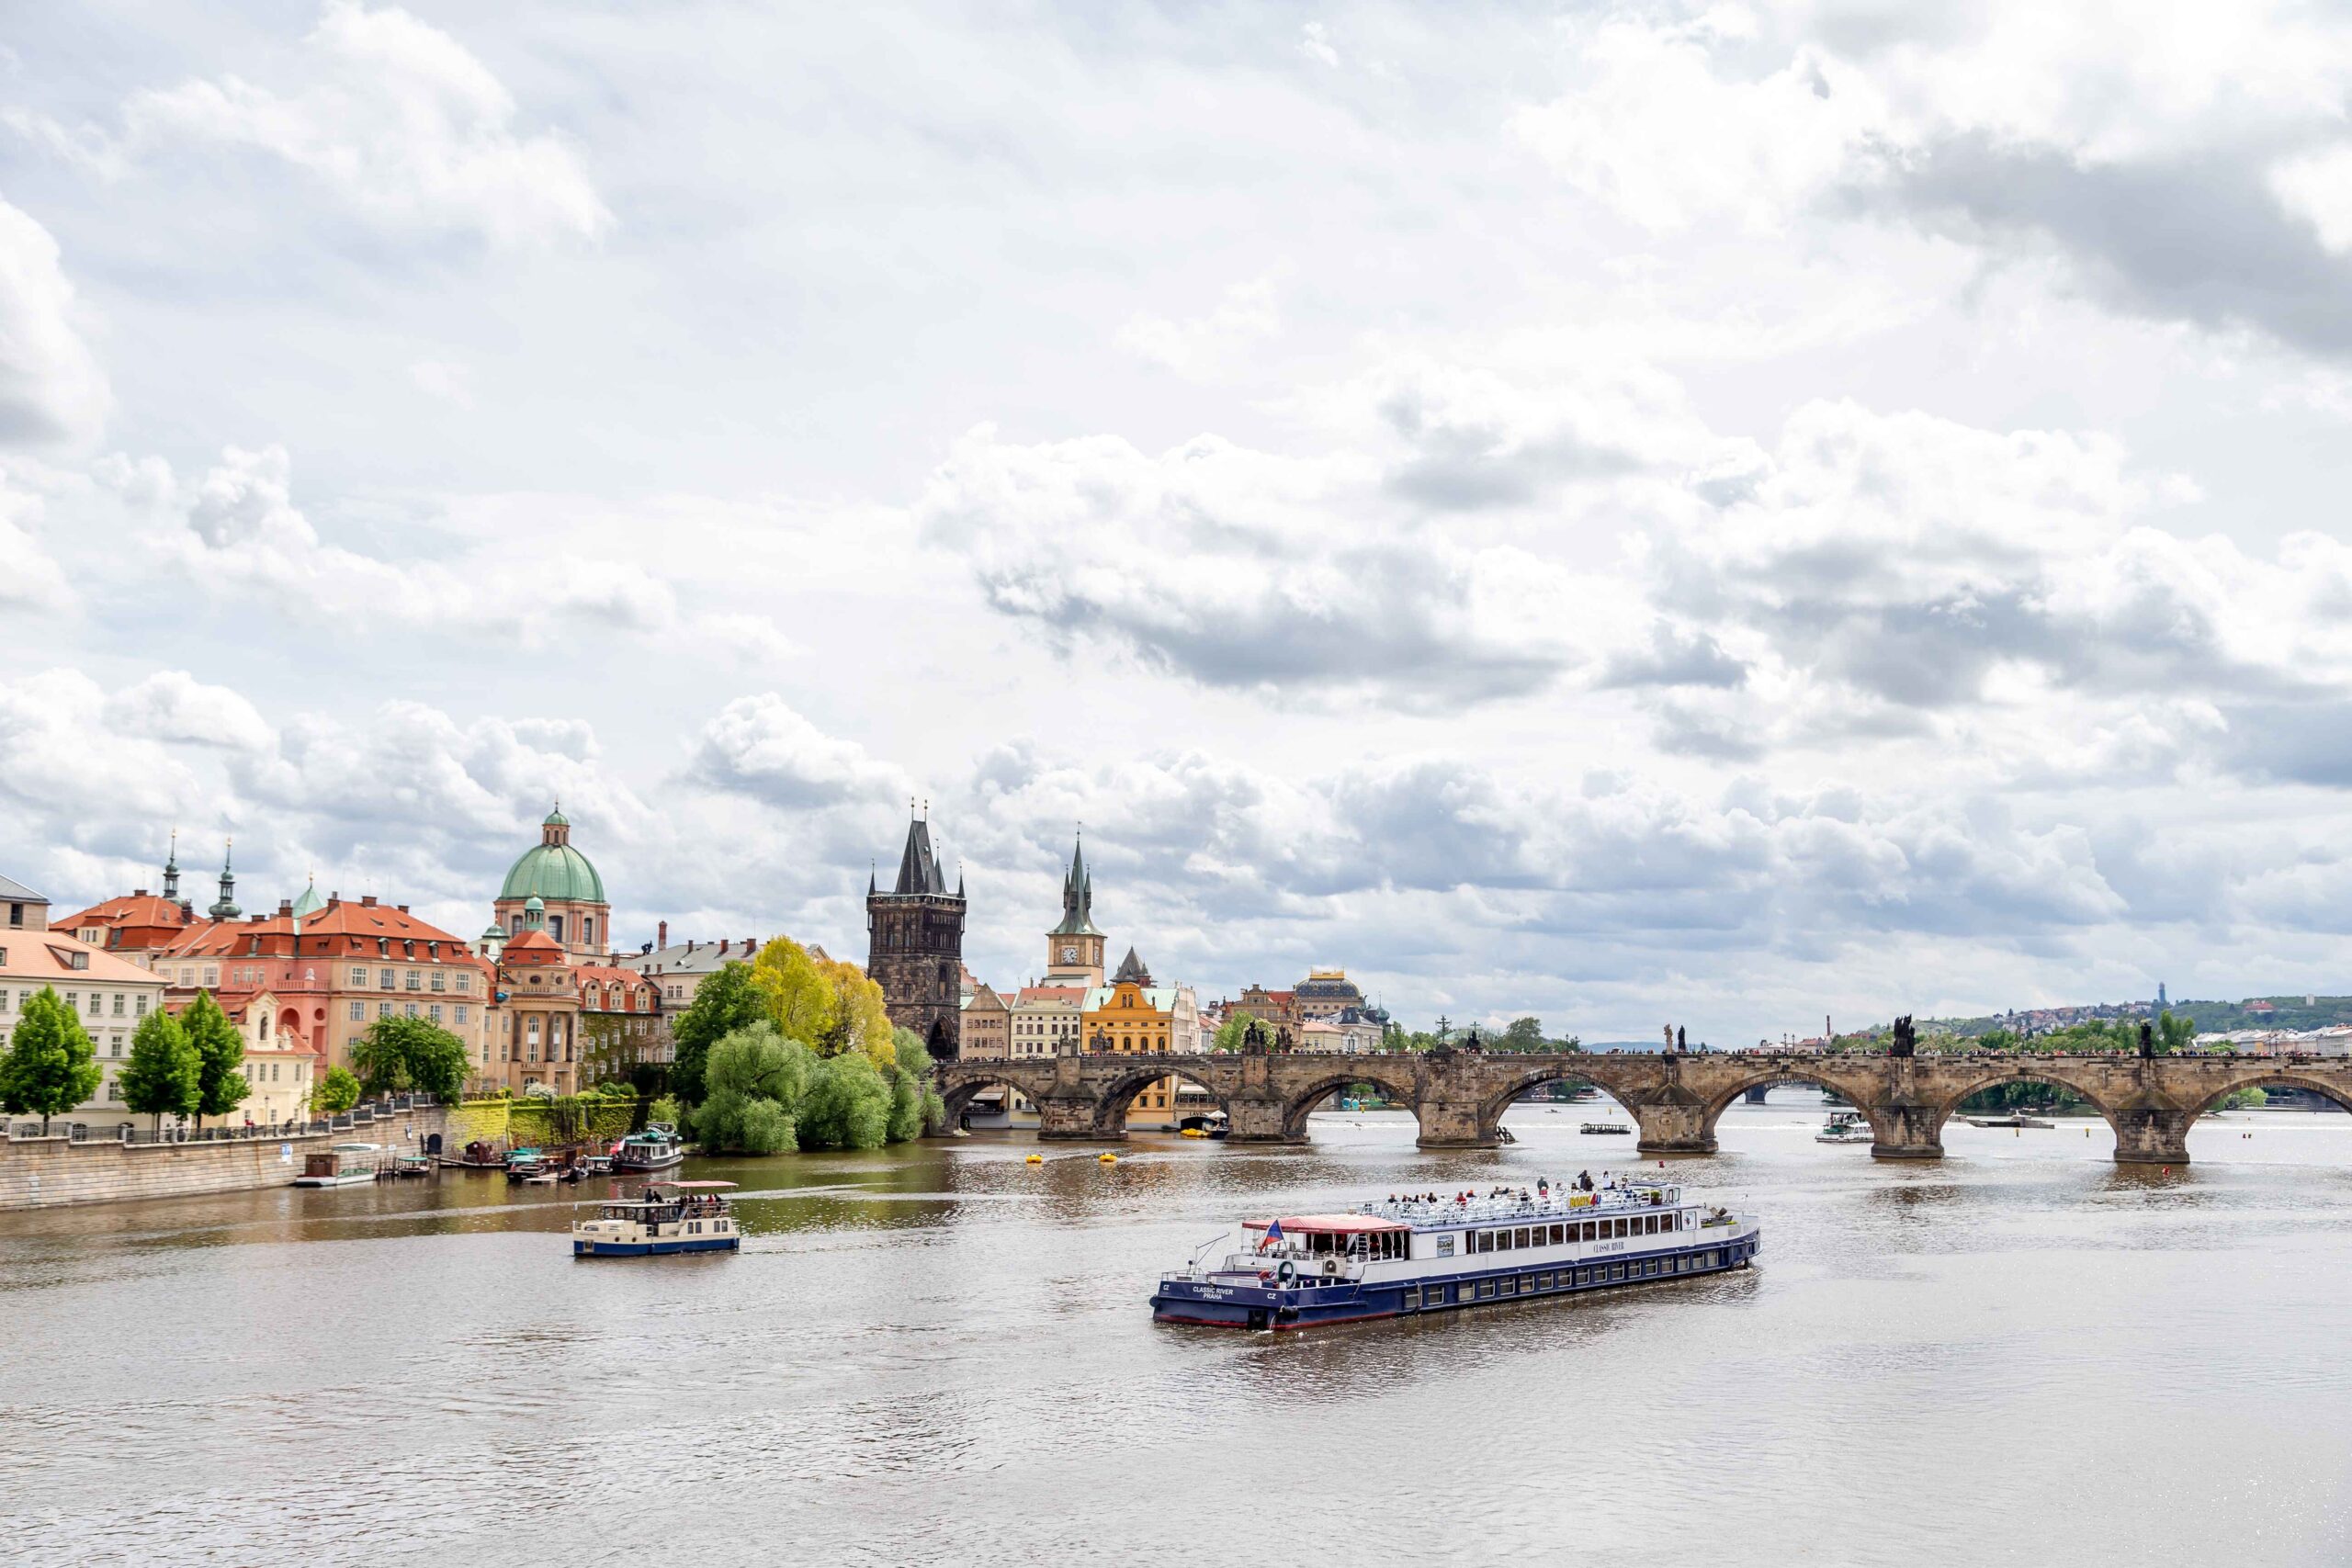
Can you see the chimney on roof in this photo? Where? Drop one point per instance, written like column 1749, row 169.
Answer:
column 188, row 910
column 690, row 945
column 139, row 893
column 662, row 933
column 748, row 945
column 366, row 900
column 284, row 908
column 722, row 944
column 402, row 908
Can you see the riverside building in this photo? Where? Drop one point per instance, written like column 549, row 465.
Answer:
column 107, row 994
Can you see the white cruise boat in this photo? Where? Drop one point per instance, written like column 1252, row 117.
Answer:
column 1434, row 1253
column 672, row 1216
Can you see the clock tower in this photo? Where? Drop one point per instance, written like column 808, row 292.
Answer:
column 1074, row 948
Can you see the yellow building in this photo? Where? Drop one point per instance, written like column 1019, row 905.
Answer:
column 1132, row 1017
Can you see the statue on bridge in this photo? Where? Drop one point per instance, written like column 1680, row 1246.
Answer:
column 2147, row 1039
column 1907, row 1043
column 1254, row 1039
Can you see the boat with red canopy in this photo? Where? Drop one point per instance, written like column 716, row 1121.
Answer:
column 1430, row 1252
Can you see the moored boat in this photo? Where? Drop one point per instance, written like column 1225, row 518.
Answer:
column 1599, row 1127
column 524, row 1164
column 2015, row 1118
column 656, row 1148
column 479, row 1154
column 345, row 1165
column 1415, row 1254
column 672, row 1216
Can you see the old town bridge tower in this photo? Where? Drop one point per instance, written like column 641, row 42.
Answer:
column 914, row 949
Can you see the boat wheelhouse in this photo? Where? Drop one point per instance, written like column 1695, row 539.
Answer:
column 1844, row 1127
column 672, row 1216
column 1438, row 1253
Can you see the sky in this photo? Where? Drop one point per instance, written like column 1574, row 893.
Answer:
column 1728, row 516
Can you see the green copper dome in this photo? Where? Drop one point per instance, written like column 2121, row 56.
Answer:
column 552, row 870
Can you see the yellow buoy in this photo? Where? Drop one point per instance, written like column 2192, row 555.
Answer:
column 1108, row 1158
column 1037, row 1159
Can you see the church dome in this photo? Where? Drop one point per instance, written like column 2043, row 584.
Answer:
column 554, row 870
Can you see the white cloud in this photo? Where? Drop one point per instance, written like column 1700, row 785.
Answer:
column 398, row 118
column 446, row 379
column 51, row 389
column 2317, row 188
column 1314, row 42
column 241, row 534
column 30, row 579
column 759, row 746
column 171, row 705
column 1207, row 345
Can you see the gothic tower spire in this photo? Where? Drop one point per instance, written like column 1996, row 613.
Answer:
column 172, row 868
column 225, row 907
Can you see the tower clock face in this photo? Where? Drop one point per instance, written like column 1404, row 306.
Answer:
column 1069, row 955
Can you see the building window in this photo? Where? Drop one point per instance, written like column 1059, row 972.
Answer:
column 461, row 1012
column 389, row 981
column 359, row 976
column 119, row 1002
column 440, row 980
column 412, row 1010
column 139, row 1009
column 383, row 1009
column 465, row 983
column 358, row 1011
column 212, row 974
column 434, row 1012
column 416, row 980
column 118, row 1046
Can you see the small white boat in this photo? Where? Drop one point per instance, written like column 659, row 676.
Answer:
column 1844, row 1127
column 672, row 1216
column 345, row 1165
column 656, row 1148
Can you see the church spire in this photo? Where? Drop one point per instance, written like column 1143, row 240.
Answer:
column 1078, row 897
column 172, row 868
column 225, row 907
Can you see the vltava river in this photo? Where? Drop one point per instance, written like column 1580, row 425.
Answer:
column 2021, row 1355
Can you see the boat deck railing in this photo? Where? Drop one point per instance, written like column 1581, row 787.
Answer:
column 1559, row 1204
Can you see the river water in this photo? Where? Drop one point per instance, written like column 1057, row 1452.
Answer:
column 2019, row 1355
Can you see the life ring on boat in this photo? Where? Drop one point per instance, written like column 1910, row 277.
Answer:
column 1284, row 1272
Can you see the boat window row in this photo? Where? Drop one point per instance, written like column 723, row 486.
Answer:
column 1572, row 1231
column 1374, row 1246
column 1565, row 1280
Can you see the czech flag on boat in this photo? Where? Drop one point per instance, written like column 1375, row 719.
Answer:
column 1273, row 1234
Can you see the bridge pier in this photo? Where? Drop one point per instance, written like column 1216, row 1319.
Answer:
column 1447, row 1125
column 2150, row 1137
column 1906, row 1131
column 1258, row 1122
column 1060, row 1119
column 1671, row 1127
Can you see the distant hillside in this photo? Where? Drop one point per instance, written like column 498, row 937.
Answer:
column 2213, row 1017
column 2287, row 1012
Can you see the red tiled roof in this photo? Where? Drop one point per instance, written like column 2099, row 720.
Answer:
column 1053, row 994
column 343, row 929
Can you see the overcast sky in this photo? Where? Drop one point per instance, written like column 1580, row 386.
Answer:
column 1722, row 515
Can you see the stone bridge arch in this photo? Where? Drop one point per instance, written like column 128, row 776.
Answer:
column 969, row 1078
column 1491, row 1108
column 1112, row 1104
column 1299, row 1103
column 1862, row 1092
column 2054, row 1070
column 2276, row 1075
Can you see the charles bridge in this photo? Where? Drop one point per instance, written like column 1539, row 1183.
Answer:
column 1459, row 1097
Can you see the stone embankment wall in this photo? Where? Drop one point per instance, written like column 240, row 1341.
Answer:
column 41, row 1173
column 514, row 1123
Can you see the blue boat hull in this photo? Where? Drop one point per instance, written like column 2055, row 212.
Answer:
column 642, row 1248
column 1301, row 1305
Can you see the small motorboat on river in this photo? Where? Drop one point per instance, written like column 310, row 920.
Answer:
column 1415, row 1254
column 1844, row 1127
column 2015, row 1118
column 672, row 1216
column 656, row 1148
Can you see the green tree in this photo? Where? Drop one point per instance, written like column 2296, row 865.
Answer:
column 220, row 1055
column 1521, row 1034
column 164, row 1076
column 665, row 1110
column 401, row 1055
column 914, row 1104
column 847, row 1105
column 726, row 1002
column 2175, row 1033
column 754, row 1080
column 338, row 1091
column 1231, row 1033
column 50, row 1066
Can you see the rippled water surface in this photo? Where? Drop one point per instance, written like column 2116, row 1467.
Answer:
column 2019, row 1355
